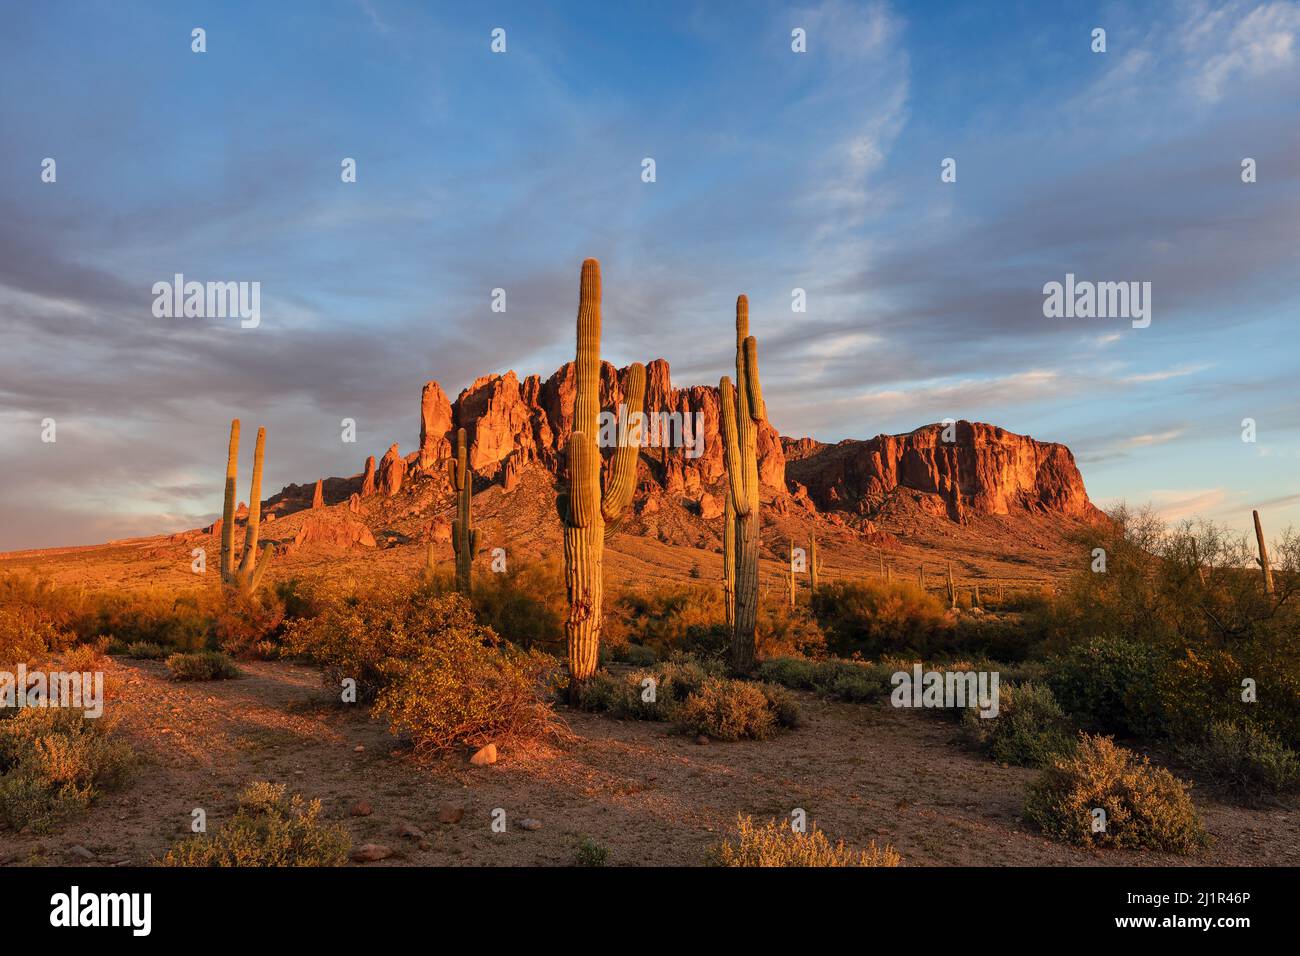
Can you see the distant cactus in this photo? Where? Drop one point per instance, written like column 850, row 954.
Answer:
column 791, row 571
column 952, row 588
column 814, row 567
column 1262, row 560
column 729, row 558
column 248, row 576
column 464, row 537
column 590, row 517
column 742, row 412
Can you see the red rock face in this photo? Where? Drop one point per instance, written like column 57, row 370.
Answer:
column 984, row 469
column 505, row 419
column 368, row 478
column 435, row 427
column 392, row 469
column 332, row 531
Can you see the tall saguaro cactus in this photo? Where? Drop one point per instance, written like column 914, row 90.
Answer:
column 589, row 516
column 729, row 558
column 248, row 576
column 464, row 537
column 742, row 411
column 814, row 567
column 1263, row 555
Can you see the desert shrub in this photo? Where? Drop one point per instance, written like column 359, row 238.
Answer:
column 1245, row 760
column 26, row 635
column 526, row 604
column 157, row 616
column 1110, row 685
column 730, row 710
column 875, row 617
column 268, row 829
column 784, row 708
column 591, row 853
column 243, row 622
column 853, row 681
column 146, row 651
column 1147, row 807
column 466, row 687
column 53, row 763
column 201, row 666
column 1030, row 729
column 774, row 845
column 785, row 631
column 637, row 655
column 621, row 695
column 690, row 619
column 83, row 657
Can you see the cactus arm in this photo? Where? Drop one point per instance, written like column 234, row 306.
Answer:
column 586, row 406
column 622, row 482
column 753, row 389
column 731, row 449
column 228, row 511
column 268, row 550
column 247, row 566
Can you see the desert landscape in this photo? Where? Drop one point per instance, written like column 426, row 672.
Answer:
column 435, row 661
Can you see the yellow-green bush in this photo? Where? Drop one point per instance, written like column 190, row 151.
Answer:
column 875, row 617
column 1245, row 760
column 201, row 666
column 268, row 829
column 774, row 845
column 735, row 710
column 53, row 763
column 1030, row 729
column 1147, row 807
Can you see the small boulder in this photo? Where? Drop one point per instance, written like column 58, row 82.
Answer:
column 484, row 756
column 370, row 852
column 362, row 808
column 449, row 814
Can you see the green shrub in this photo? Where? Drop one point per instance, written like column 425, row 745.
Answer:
column 1147, row 807
column 591, row 853
column 268, row 829
column 53, row 763
column 1030, row 729
column 146, row 651
column 853, row 681
column 1244, row 760
column 526, row 604
column 1110, row 685
column 779, row 846
column 201, row 666
column 623, row 695
column 733, row 710
column 875, row 617
column 637, row 655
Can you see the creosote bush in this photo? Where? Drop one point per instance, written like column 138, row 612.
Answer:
column 1030, row 729
column 875, row 617
column 27, row 635
column 146, row 651
column 1244, row 760
column 432, row 670
column 53, row 763
column 1147, row 807
column 268, row 829
column 201, row 666
column 591, row 853
column 774, row 845
column 729, row 709
column 852, row 681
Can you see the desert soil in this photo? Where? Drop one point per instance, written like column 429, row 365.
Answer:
column 651, row 796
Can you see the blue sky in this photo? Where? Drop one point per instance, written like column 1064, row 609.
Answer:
column 775, row 170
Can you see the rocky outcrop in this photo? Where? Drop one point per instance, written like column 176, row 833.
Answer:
column 368, row 478
column 327, row 530
column 984, row 469
column 392, row 469
column 435, row 427
column 318, row 496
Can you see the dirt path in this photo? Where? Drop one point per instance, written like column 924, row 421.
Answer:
column 651, row 796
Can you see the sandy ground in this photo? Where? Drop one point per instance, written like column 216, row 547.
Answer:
column 652, row 797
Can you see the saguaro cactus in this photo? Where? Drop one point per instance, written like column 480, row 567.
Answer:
column 814, row 567
column 590, row 517
column 248, row 576
column 952, row 587
column 729, row 558
column 742, row 411
column 1263, row 555
column 464, row 537
column 791, row 570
